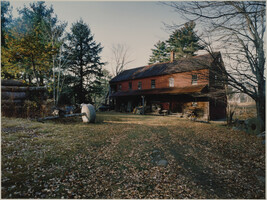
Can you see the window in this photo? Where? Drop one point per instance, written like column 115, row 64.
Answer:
column 171, row 82
column 139, row 85
column 153, row 84
column 194, row 79
column 194, row 104
column 130, row 85
column 119, row 87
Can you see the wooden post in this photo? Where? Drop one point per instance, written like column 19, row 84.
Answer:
column 208, row 111
column 143, row 104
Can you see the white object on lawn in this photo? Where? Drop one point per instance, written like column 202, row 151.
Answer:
column 89, row 111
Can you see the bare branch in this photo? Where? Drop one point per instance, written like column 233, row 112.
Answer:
column 121, row 57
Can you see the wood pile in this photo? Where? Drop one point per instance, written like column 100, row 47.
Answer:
column 13, row 95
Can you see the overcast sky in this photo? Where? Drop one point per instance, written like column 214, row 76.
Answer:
column 138, row 25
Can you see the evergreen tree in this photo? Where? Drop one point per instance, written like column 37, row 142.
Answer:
column 160, row 53
column 184, row 41
column 84, row 63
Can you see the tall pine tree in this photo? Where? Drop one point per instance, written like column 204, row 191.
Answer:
column 184, row 41
column 160, row 53
column 84, row 63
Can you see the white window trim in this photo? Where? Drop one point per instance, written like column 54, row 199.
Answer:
column 139, row 85
column 194, row 81
column 171, row 82
column 154, row 84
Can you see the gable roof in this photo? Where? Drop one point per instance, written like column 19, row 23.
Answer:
column 181, row 65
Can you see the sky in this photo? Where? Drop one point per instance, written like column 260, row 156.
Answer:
column 138, row 25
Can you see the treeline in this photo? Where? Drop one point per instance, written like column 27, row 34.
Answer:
column 36, row 48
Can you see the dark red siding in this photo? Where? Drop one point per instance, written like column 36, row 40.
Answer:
column 180, row 80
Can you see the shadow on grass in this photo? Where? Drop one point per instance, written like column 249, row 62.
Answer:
column 202, row 175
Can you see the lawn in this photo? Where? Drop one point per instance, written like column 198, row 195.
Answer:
column 120, row 155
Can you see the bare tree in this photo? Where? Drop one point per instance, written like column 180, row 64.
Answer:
column 238, row 28
column 121, row 58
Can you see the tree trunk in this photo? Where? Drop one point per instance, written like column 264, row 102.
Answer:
column 260, row 104
column 81, row 95
column 30, row 79
column 41, row 79
column 35, row 72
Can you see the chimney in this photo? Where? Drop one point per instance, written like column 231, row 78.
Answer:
column 172, row 56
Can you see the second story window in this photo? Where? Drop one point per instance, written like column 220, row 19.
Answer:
column 171, row 82
column 139, row 85
column 194, row 104
column 194, row 79
column 130, row 85
column 119, row 87
column 153, row 84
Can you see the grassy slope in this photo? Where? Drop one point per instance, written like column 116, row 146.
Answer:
column 112, row 159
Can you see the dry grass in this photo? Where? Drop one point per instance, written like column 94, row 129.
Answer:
column 243, row 111
column 112, row 159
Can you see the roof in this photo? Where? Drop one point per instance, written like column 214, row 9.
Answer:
column 181, row 65
column 174, row 91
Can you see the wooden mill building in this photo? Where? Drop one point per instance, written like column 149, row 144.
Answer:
column 193, row 84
